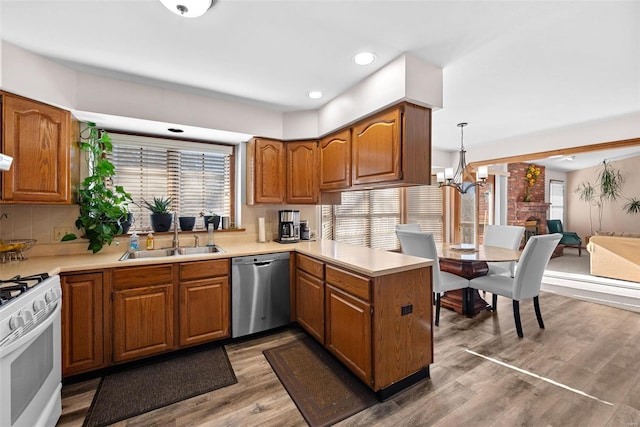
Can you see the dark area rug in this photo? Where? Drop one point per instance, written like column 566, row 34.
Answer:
column 142, row 389
column 324, row 390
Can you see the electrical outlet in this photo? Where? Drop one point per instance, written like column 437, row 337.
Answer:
column 59, row 232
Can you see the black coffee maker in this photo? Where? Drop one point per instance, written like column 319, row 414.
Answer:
column 289, row 226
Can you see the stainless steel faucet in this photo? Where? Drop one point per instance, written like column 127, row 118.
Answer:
column 196, row 240
column 176, row 240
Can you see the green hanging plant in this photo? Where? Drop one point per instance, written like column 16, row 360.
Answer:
column 103, row 208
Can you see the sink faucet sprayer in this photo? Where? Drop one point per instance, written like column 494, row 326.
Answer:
column 210, row 239
column 176, row 240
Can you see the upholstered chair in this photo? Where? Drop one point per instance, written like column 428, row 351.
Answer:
column 503, row 236
column 423, row 245
column 527, row 280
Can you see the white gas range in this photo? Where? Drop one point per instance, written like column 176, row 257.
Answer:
column 30, row 350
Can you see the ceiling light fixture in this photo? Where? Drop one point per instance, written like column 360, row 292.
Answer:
column 457, row 181
column 364, row 58
column 188, row 8
column 315, row 94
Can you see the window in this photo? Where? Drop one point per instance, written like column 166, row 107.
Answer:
column 196, row 176
column 556, row 198
column 368, row 218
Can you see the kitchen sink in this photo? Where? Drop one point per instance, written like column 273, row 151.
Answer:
column 171, row 252
column 200, row 250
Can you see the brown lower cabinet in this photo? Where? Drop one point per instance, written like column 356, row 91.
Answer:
column 142, row 310
column 82, row 322
column 121, row 314
column 379, row 327
column 204, row 301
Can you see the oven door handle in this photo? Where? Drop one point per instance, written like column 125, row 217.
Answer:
column 33, row 333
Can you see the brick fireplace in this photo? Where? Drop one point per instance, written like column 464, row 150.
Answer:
column 531, row 215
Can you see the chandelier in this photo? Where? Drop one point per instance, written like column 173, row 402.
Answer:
column 449, row 179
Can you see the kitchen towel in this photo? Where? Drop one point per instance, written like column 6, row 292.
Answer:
column 262, row 237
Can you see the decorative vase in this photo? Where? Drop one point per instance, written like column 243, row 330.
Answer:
column 527, row 196
column 161, row 222
column 187, row 222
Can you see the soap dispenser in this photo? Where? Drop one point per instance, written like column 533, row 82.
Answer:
column 150, row 241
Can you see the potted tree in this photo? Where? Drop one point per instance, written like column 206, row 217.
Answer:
column 161, row 218
column 104, row 211
column 607, row 188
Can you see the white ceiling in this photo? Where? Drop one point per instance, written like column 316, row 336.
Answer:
column 510, row 68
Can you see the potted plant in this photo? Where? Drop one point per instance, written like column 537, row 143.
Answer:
column 607, row 188
column 104, row 209
column 161, row 218
column 213, row 218
column 187, row 222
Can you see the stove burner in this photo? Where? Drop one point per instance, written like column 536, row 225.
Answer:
column 17, row 285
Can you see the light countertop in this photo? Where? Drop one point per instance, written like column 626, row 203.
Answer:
column 370, row 262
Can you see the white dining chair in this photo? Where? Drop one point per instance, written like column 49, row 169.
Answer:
column 423, row 245
column 408, row 227
column 527, row 280
column 503, row 236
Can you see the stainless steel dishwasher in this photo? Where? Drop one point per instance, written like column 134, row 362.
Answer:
column 259, row 293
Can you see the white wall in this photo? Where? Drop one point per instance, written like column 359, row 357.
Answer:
column 614, row 218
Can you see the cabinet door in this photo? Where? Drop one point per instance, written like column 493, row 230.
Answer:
column 310, row 304
column 269, row 173
column 376, row 155
column 348, row 331
column 302, row 172
column 82, row 326
column 335, row 161
column 142, row 321
column 38, row 137
column 204, row 310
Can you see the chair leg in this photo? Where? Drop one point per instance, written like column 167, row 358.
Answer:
column 536, row 306
column 580, row 249
column 516, row 317
column 494, row 302
column 437, row 309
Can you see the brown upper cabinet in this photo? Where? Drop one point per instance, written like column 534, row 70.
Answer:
column 39, row 137
column 265, row 171
column 390, row 148
column 302, row 175
column 393, row 147
column 335, row 161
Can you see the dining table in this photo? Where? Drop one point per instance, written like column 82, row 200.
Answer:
column 470, row 261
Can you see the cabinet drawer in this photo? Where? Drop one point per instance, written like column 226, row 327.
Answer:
column 311, row 266
column 349, row 282
column 137, row 277
column 204, row 269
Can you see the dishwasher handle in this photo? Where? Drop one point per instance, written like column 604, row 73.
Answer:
column 263, row 263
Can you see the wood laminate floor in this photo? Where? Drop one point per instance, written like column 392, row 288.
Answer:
column 583, row 370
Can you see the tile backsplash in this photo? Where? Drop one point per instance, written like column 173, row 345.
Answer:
column 38, row 222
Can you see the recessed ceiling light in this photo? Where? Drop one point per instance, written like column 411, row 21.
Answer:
column 188, row 8
column 364, row 58
column 315, row 94
column 175, row 130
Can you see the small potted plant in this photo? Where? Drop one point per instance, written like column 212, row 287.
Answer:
column 161, row 218
column 187, row 222
column 213, row 218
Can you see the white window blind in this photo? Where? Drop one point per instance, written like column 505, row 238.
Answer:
column 196, row 180
column 368, row 218
column 424, row 207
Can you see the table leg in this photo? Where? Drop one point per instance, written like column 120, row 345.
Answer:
column 464, row 301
